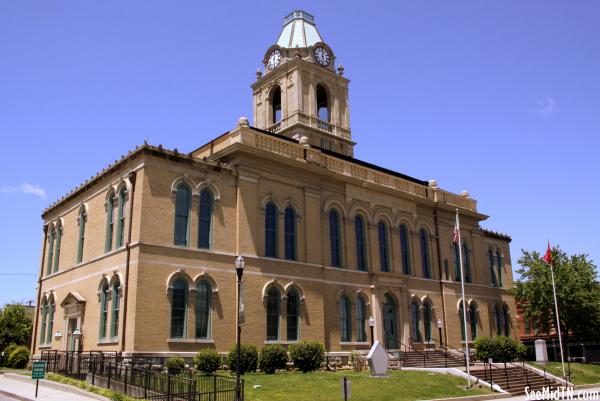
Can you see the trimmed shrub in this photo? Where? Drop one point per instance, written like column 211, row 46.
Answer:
column 272, row 357
column 175, row 365
column 7, row 351
column 248, row 358
column 307, row 355
column 500, row 349
column 19, row 357
column 207, row 360
column 357, row 360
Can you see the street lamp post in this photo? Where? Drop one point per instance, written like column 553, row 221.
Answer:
column 239, row 269
column 440, row 324
column 371, row 325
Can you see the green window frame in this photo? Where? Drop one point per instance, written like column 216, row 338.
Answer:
column 361, row 248
column 500, row 265
column 50, row 325
column 82, row 220
column 405, row 249
column 506, row 313
column 335, row 240
column 103, row 311
column 110, row 207
column 205, row 219
column 384, row 253
column 183, row 203
column 467, row 262
column 121, row 218
column 293, row 315
column 425, row 258
column 361, row 319
column 179, row 303
column 50, row 251
column 116, row 301
column 473, row 321
column 345, row 319
column 43, row 312
column 415, row 314
column 461, row 317
column 203, row 310
column 57, row 246
column 427, row 316
column 273, row 311
column 289, row 233
column 456, row 253
column 492, row 269
column 497, row 320
column 271, row 220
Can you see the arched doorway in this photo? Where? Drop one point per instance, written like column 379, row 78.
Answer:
column 390, row 325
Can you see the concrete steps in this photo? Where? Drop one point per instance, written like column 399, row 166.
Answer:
column 515, row 379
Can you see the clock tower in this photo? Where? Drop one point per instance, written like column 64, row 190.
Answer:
column 300, row 93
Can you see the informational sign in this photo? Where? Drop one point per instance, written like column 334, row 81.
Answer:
column 38, row 370
column 346, row 388
column 242, row 320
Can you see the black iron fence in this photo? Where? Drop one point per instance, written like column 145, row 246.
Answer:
column 140, row 378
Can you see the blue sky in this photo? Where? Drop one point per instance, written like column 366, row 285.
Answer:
column 501, row 98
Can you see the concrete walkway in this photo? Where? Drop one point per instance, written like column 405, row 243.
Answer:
column 23, row 388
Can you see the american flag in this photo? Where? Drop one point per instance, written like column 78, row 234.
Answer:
column 456, row 236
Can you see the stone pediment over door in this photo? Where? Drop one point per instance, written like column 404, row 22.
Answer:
column 73, row 304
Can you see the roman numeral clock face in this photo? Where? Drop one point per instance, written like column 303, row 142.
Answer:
column 274, row 59
column 322, row 56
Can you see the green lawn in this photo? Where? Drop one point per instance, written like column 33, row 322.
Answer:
column 325, row 386
column 581, row 373
column 26, row 372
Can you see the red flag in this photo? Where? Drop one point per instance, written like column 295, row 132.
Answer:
column 548, row 256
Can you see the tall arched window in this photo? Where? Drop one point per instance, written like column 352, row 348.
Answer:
column 345, row 319
column 361, row 249
column 81, row 219
column 492, row 269
column 467, row 256
column 103, row 310
column 110, row 223
column 57, row 246
column 276, row 105
column 473, row 320
column 361, row 319
column 384, row 253
column 415, row 317
column 183, row 202
column 271, row 213
column 404, row 249
column 203, row 308
column 500, row 264
column 273, row 299
column 179, row 301
column 205, row 218
column 290, row 233
column 293, row 315
column 116, row 304
column 461, row 317
column 424, row 239
column 497, row 320
column 427, row 316
column 456, row 252
column 322, row 104
column 506, row 319
column 50, row 321
column 121, row 218
column 334, row 238
column 50, row 250
column 44, row 316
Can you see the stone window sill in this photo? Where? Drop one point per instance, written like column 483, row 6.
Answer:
column 190, row 341
column 281, row 342
column 45, row 346
column 108, row 341
column 355, row 343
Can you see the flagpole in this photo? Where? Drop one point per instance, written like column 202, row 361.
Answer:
column 464, row 304
column 562, row 358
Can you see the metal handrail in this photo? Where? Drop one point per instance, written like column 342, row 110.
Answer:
column 405, row 348
column 446, row 346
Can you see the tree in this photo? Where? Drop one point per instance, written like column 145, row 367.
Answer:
column 15, row 326
column 577, row 293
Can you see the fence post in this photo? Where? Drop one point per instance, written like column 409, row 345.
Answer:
column 125, row 382
column 491, row 379
column 168, row 387
column 93, row 372
column 109, row 370
column 146, row 385
column 215, row 388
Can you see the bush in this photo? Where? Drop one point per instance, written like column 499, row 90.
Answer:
column 272, row 357
column 7, row 351
column 207, row 360
column 175, row 365
column 500, row 349
column 307, row 355
column 19, row 357
column 357, row 360
column 248, row 358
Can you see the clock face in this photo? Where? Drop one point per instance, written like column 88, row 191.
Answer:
column 274, row 59
column 322, row 56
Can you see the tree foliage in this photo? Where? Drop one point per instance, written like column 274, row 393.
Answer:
column 15, row 326
column 577, row 293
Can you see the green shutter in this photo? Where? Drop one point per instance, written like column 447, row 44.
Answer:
column 81, row 237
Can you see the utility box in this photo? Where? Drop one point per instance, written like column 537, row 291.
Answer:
column 541, row 352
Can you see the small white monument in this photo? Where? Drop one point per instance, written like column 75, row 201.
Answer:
column 541, row 352
column 378, row 360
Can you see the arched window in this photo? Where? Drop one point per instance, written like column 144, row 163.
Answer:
column 506, row 319
column 203, row 308
column 50, row 250
column 384, row 258
column 271, row 213
column 467, row 256
column 361, row 319
column 179, row 301
column 183, row 202
column 50, row 321
column 205, row 218
column 322, row 104
column 427, row 316
column 404, row 249
column 473, row 320
column 497, row 320
column 121, row 217
column 276, row 105
column 44, row 316
column 492, row 269
column 415, row 317
column 345, row 319
column 110, row 224
column 461, row 316
column 57, row 246
column 424, row 239
column 290, row 233
column 334, row 237
column 293, row 315
column 103, row 310
column 361, row 249
column 500, row 265
column 116, row 301
column 82, row 219
column 273, row 299
column 456, row 261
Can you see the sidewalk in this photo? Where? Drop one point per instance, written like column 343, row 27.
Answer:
column 23, row 388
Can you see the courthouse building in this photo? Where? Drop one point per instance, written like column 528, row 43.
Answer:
column 140, row 257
